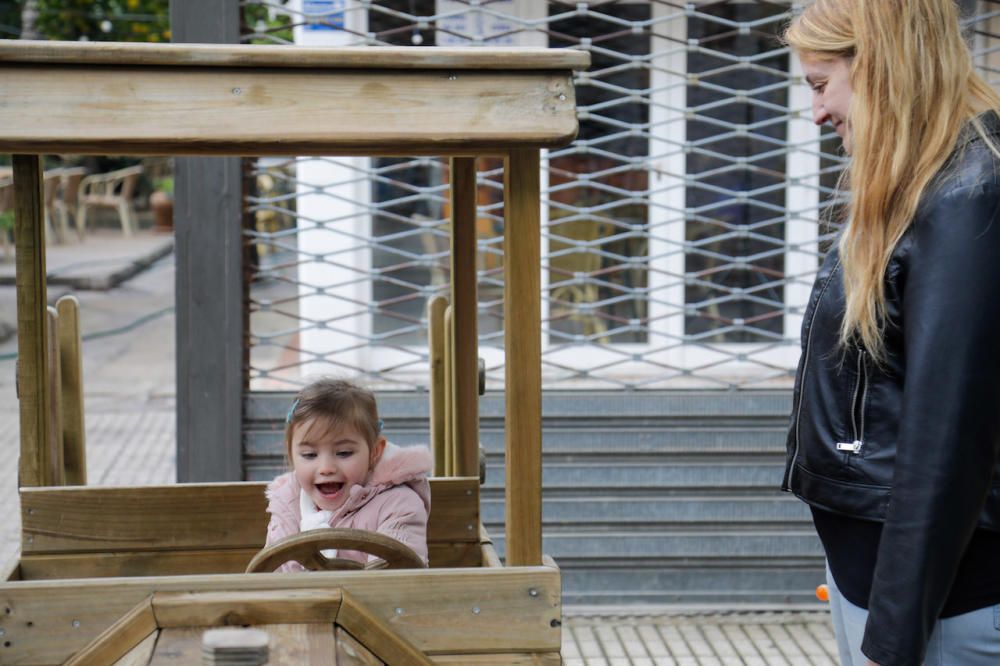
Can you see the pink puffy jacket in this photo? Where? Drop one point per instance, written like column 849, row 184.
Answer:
column 396, row 502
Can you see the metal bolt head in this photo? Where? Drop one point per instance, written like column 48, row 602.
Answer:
column 475, row 610
column 237, row 91
column 399, row 611
column 76, row 624
column 533, row 592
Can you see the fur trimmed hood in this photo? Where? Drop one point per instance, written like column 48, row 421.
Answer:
column 399, row 466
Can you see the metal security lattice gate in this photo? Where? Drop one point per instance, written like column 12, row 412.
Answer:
column 683, row 227
column 681, row 234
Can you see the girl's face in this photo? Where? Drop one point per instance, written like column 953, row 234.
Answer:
column 327, row 463
column 830, row 81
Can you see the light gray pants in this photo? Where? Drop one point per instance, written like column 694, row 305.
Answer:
column 971, row 639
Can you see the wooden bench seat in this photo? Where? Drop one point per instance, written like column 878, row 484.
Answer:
column 92, row 532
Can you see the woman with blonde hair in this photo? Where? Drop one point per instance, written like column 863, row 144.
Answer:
column 895, row 432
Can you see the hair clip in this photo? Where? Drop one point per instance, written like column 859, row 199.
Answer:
column 291, row 410
column 380, row 424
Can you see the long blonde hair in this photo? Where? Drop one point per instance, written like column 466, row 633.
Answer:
column 914, row 90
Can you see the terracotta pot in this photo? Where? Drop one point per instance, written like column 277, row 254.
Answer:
column 162, row 205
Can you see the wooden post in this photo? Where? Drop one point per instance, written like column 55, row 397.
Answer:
column 209, row 283
column 435, row 342
column 523, row 356
column 464, row 313
column 56, row 472
column 32, row 321
column 449, row 394
column 71, row 374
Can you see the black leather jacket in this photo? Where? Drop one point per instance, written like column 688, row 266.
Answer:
column 915, row 442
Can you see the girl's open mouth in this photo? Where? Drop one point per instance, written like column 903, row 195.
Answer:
column 329, row 489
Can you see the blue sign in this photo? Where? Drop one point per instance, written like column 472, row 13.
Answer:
column 323, row 14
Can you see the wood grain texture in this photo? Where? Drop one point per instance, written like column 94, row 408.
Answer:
column 56, row 472
column 131, row 563
column 118, row 639
column 180, row 517
column 435, row 344
column 32, row 321
column 141, row 653
column 352, row 653
column 71, row 378
column 449, row 393
column 194, row 517
column 223, row 609
column 206, row 111
column 296, row 644
column 523, row 310
column 436, row 607
column 372, row 631
column 464, row 316
column 229, row 55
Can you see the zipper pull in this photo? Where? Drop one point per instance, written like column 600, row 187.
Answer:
column 853, row 447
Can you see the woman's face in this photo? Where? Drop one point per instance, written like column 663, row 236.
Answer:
column 830, row 81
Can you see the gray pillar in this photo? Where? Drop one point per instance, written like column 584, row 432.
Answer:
column 209, row 283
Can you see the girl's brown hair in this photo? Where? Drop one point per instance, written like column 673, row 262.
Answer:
column 914, row 91
column 334, row 403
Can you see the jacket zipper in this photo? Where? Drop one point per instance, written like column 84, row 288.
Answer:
column 805, row 369
column 858, row 409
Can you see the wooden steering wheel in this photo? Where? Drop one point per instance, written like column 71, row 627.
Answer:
column 306, row 549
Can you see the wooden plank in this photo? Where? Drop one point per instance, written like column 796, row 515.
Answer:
column 147, row 563
column 141, row 653
column 178, row 646
column 502, row 659
column 435, row 344
column 50, row 109
column 523, row 358
column 118, row 640
column 32, row 320
column 435, row 607
column 296, row 644
column 464, row 316
column 352, row 653
column 444, row 555
column 202, row 516
column 212, row 55
column 71, row 376
column 372, row 631
column 57, row 470
column 219, row 609
column 454, row 510
column 449, row 393
column 175, row 517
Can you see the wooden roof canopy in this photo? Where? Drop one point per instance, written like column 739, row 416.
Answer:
column 205, row 99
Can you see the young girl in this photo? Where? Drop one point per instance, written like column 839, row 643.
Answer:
column 345, row 473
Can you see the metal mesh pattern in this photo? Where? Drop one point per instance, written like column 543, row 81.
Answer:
column 681, row 230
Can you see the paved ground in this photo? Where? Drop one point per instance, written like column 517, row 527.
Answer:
column 130, row 410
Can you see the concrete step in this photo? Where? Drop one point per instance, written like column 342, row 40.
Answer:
column 646, row 511
column 628, row 475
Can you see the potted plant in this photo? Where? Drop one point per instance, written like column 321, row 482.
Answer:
column 161, row 202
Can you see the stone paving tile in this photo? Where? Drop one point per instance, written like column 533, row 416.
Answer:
column 704, row 638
